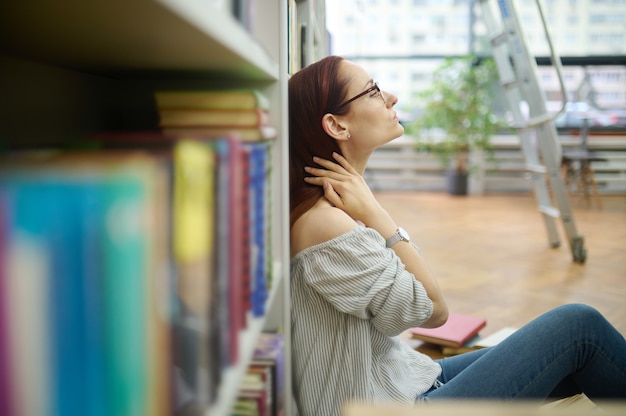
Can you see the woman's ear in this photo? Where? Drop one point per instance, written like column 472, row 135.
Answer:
column 334, row 127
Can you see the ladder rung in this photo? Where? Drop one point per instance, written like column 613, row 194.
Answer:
column 499, row 38
column 509, row 84
column 536, row 168
column 550, row 211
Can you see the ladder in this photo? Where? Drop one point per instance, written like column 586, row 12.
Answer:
column 535, row 126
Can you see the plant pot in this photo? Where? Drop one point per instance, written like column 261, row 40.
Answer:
column 457, row 182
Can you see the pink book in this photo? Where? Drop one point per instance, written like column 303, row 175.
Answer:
column 458, row 330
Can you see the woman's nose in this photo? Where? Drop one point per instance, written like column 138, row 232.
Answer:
column 390, row 99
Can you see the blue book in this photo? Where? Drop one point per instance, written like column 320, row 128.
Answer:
column 67, row 317
column 92, row 221
column 60, row 209
column 259, row 223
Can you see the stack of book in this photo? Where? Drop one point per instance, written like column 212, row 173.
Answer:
column 261, row 392
column 460, row 334
column 454, row 336
column 215, row 113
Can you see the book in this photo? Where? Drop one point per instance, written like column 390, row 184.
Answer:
column 6, row 395
column 215, row 118
column 220, row 311
column 245, row 407
column 259, row 177
column 253, row 387
column 245, row 134
column 457, row 331
column 236, row 223
column 246, row 234
column 266, row 375
column 127, row 193
column 159, row 291
column 237, row 99
column 27, row 277
column 229, row 252
column 478, row 342
column 193, row 233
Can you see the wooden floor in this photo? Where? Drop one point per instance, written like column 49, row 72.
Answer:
column 492, row 257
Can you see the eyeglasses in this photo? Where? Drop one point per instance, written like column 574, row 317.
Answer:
column 375, row 87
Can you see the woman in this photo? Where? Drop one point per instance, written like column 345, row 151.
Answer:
column 357, row 281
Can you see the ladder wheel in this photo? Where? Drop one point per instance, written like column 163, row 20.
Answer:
column 578, row 250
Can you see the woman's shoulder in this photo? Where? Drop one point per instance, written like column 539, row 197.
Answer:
column 321, row 223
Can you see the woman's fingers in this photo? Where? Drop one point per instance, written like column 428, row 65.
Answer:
column 321, row 172
column 332, row 195
column 329, row 164
column 344, row 162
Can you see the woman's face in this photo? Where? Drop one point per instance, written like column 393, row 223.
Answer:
column 372, row 121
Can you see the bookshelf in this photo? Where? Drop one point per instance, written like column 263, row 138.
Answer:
column 308, row 36
column 71, row 68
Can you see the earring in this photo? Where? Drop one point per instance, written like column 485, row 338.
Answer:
column 349, row 136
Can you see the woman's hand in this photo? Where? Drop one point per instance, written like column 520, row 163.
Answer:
column 345, row 188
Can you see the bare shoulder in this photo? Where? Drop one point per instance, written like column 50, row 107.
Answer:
column 321, row 223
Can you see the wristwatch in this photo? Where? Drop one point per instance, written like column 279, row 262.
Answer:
column 400, row 235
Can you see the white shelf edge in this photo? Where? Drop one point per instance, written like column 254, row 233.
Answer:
column 224, row 28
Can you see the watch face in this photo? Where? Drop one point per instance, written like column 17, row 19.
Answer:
column 403, row 234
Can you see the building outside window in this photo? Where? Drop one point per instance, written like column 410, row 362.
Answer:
column 424, row 32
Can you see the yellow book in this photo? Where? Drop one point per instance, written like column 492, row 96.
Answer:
column 193, row 200
column 212, row 100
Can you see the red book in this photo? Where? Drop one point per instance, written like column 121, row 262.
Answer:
column 236, row 230
column 458, row 330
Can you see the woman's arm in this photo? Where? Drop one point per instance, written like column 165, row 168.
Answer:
column 347, row 190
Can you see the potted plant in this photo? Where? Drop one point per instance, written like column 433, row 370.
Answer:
column 457, row 115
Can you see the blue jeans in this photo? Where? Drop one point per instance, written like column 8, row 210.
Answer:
column 571, row 349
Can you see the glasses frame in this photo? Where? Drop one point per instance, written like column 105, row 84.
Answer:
column 374, row 87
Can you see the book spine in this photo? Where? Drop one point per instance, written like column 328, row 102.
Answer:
column 247, row 231
column 91, row 219
column 258, row 213
column 27, row 279
column 193, row 247
column 125, row 273
column 6, row 391
column 236, row 252
column 222, row 265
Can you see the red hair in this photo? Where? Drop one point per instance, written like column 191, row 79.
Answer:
column 313, row 92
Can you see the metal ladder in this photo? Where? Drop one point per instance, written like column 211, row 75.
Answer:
column 535, row 126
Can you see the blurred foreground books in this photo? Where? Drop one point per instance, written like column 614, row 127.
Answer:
column 127, row 276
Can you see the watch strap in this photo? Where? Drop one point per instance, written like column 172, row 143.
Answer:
column 399, row 235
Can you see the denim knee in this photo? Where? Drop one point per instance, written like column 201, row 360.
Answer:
column 579, row 312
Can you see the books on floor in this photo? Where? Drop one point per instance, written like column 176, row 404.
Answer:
column 456, row 332
column 478, row 342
